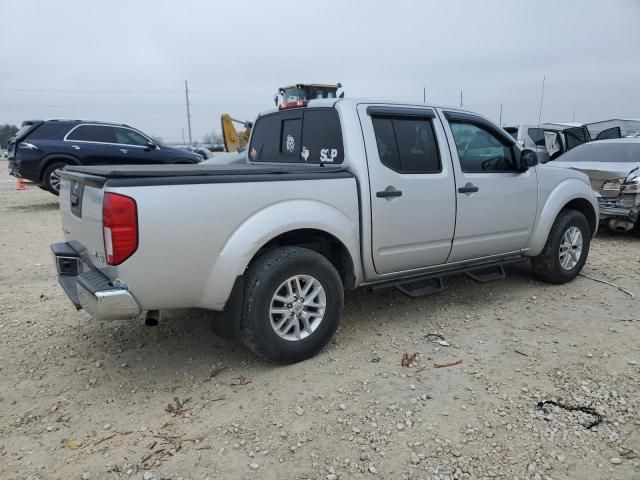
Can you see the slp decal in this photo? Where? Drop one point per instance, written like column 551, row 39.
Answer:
column 328, row 154
column 305, row 153
column 291, row 143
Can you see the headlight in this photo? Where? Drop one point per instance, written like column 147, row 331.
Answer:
column 632, row 186
column 27, row 145
column 612, row 185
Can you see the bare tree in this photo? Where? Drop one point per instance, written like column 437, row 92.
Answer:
column 212, row 138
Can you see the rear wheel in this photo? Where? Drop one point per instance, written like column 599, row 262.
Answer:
column 566, row 250
column 51, row 177
column 292, row 304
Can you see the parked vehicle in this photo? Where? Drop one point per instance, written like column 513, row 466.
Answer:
column 338, row 194
column 42, row 147
column 613, row 167
column 629, row 127
column 531, row 137
column 550, row 140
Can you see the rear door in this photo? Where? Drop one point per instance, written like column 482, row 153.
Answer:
column 412, row 190
column 576, row 136
column 95, row 144
column 496, row 205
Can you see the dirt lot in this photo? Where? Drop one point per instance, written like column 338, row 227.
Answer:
column 81, row 399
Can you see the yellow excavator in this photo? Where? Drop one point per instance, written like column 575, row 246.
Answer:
column 291, row 96
column 234, row 140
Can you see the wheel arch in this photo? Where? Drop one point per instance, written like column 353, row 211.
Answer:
column 56, row 157
column 321, row 242
column 570, row 194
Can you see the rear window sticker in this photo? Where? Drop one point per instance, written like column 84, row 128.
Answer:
column 291, row 143
column 305, row 153
column 328, row 154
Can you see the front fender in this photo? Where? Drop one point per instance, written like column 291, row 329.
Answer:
column 267, row 224
column 563, row 193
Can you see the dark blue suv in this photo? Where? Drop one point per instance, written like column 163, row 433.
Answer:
column 42, row 147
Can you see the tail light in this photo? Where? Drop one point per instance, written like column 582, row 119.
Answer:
column 120, row 227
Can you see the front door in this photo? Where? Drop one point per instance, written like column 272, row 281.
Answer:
column 496, row 204
column 412, row 191
column 135, row 147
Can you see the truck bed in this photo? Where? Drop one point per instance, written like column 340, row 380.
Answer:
column 194, row 219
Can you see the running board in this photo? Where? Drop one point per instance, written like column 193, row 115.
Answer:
column 423, row 285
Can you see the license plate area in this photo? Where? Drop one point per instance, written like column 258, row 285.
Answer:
column 76, row 192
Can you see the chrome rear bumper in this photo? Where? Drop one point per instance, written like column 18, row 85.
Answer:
column 90, row 289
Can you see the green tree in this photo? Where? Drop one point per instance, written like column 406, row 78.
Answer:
column 6, row 132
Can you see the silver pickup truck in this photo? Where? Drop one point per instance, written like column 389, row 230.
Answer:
column 336, row 194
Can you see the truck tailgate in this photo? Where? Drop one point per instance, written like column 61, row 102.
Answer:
column 81, row 207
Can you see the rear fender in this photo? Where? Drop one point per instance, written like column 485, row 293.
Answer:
column 267, row 224
column 566, row 191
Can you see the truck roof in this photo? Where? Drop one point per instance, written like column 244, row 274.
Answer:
column 351, row 101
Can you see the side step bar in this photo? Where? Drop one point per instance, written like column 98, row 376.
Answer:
column 422, row 285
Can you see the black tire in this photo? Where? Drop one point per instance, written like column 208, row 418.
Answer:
column 47, row 180
column 262, row 281
column 547, row 266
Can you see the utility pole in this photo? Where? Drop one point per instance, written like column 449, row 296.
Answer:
column 424, row 94
column 541, row 99
column 186, row 93
column 460, row 98
column 500, row 123
column 184, row 142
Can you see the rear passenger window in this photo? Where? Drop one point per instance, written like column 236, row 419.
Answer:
column 93, row 133
column 309, row 136
column 407, row 145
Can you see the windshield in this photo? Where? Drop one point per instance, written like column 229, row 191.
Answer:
column 294, row 94
column 604, row 152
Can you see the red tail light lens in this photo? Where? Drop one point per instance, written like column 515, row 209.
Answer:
column 120, row 227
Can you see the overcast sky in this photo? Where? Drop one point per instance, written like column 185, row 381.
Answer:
column 127, row 61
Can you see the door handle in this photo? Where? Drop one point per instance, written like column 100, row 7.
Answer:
column 124, row 150
column 75, row 147
column 468, row 188
column 389, row 192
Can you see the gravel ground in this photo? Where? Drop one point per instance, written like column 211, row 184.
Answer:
column 81, row 399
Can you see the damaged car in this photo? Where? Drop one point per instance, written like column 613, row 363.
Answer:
column 613, row 167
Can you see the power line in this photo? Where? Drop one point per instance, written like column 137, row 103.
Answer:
column 151, row 92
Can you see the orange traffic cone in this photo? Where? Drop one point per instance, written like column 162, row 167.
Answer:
column 21, row 185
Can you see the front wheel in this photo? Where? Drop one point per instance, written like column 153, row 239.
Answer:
column 566, row 250
column 292, row 304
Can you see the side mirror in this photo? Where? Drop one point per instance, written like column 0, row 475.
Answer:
column 151, row 145
column 528, row 159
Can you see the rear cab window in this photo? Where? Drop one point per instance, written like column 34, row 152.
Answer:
column 302, row 135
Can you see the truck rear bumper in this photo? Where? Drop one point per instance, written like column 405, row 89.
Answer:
column 90, row 289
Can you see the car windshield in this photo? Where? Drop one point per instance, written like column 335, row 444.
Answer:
column 604, row 152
